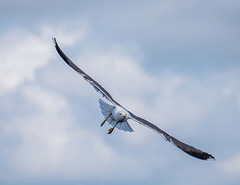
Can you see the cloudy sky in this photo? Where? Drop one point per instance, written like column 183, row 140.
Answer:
column 175, row 63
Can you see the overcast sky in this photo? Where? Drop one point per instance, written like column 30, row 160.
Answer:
column 174, row 63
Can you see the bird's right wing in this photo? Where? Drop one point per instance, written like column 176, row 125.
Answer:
column 184, row 147
column 86, row 77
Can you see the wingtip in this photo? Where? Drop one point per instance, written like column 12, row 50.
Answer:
column 54, row 41
column 211, row 157
column 201, row 155
column 205, row 156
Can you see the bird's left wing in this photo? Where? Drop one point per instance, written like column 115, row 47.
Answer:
column 184, row 147
column 96, row 85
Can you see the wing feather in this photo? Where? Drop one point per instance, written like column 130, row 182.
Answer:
column 184, row 147
column 90, row 80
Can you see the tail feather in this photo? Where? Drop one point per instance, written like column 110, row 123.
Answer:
column 128, row 127
column 123, row 126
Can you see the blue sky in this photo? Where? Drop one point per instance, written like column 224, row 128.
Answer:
column 174, row 63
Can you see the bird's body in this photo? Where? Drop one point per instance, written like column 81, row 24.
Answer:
column 117, row 115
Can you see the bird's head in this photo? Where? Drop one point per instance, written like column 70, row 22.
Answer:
column 123, row 115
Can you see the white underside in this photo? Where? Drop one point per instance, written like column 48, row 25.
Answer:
column 106, row 109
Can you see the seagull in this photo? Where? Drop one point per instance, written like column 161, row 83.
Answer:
column 117, row 115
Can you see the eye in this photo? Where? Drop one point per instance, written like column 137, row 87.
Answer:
column 120, row 113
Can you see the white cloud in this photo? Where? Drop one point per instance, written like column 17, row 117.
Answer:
column 49, row 102
column 23, row 52
column 51, row 143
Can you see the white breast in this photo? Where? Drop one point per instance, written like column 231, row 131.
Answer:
column 107, row 109
column 116, row 113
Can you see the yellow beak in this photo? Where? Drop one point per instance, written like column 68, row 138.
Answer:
column 124, row 116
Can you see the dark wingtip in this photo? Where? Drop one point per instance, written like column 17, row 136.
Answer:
column 208, row 156
column 200, row 155
column 211, row 157
column 190, row 149
column 54, row 41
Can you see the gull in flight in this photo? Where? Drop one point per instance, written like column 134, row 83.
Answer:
column 117, row 115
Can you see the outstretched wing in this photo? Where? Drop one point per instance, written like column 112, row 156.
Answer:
column 184, row 147
column 96, row 85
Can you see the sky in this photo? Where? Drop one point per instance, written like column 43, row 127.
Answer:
column 174, row 63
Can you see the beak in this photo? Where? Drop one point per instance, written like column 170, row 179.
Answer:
column 124, row 116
